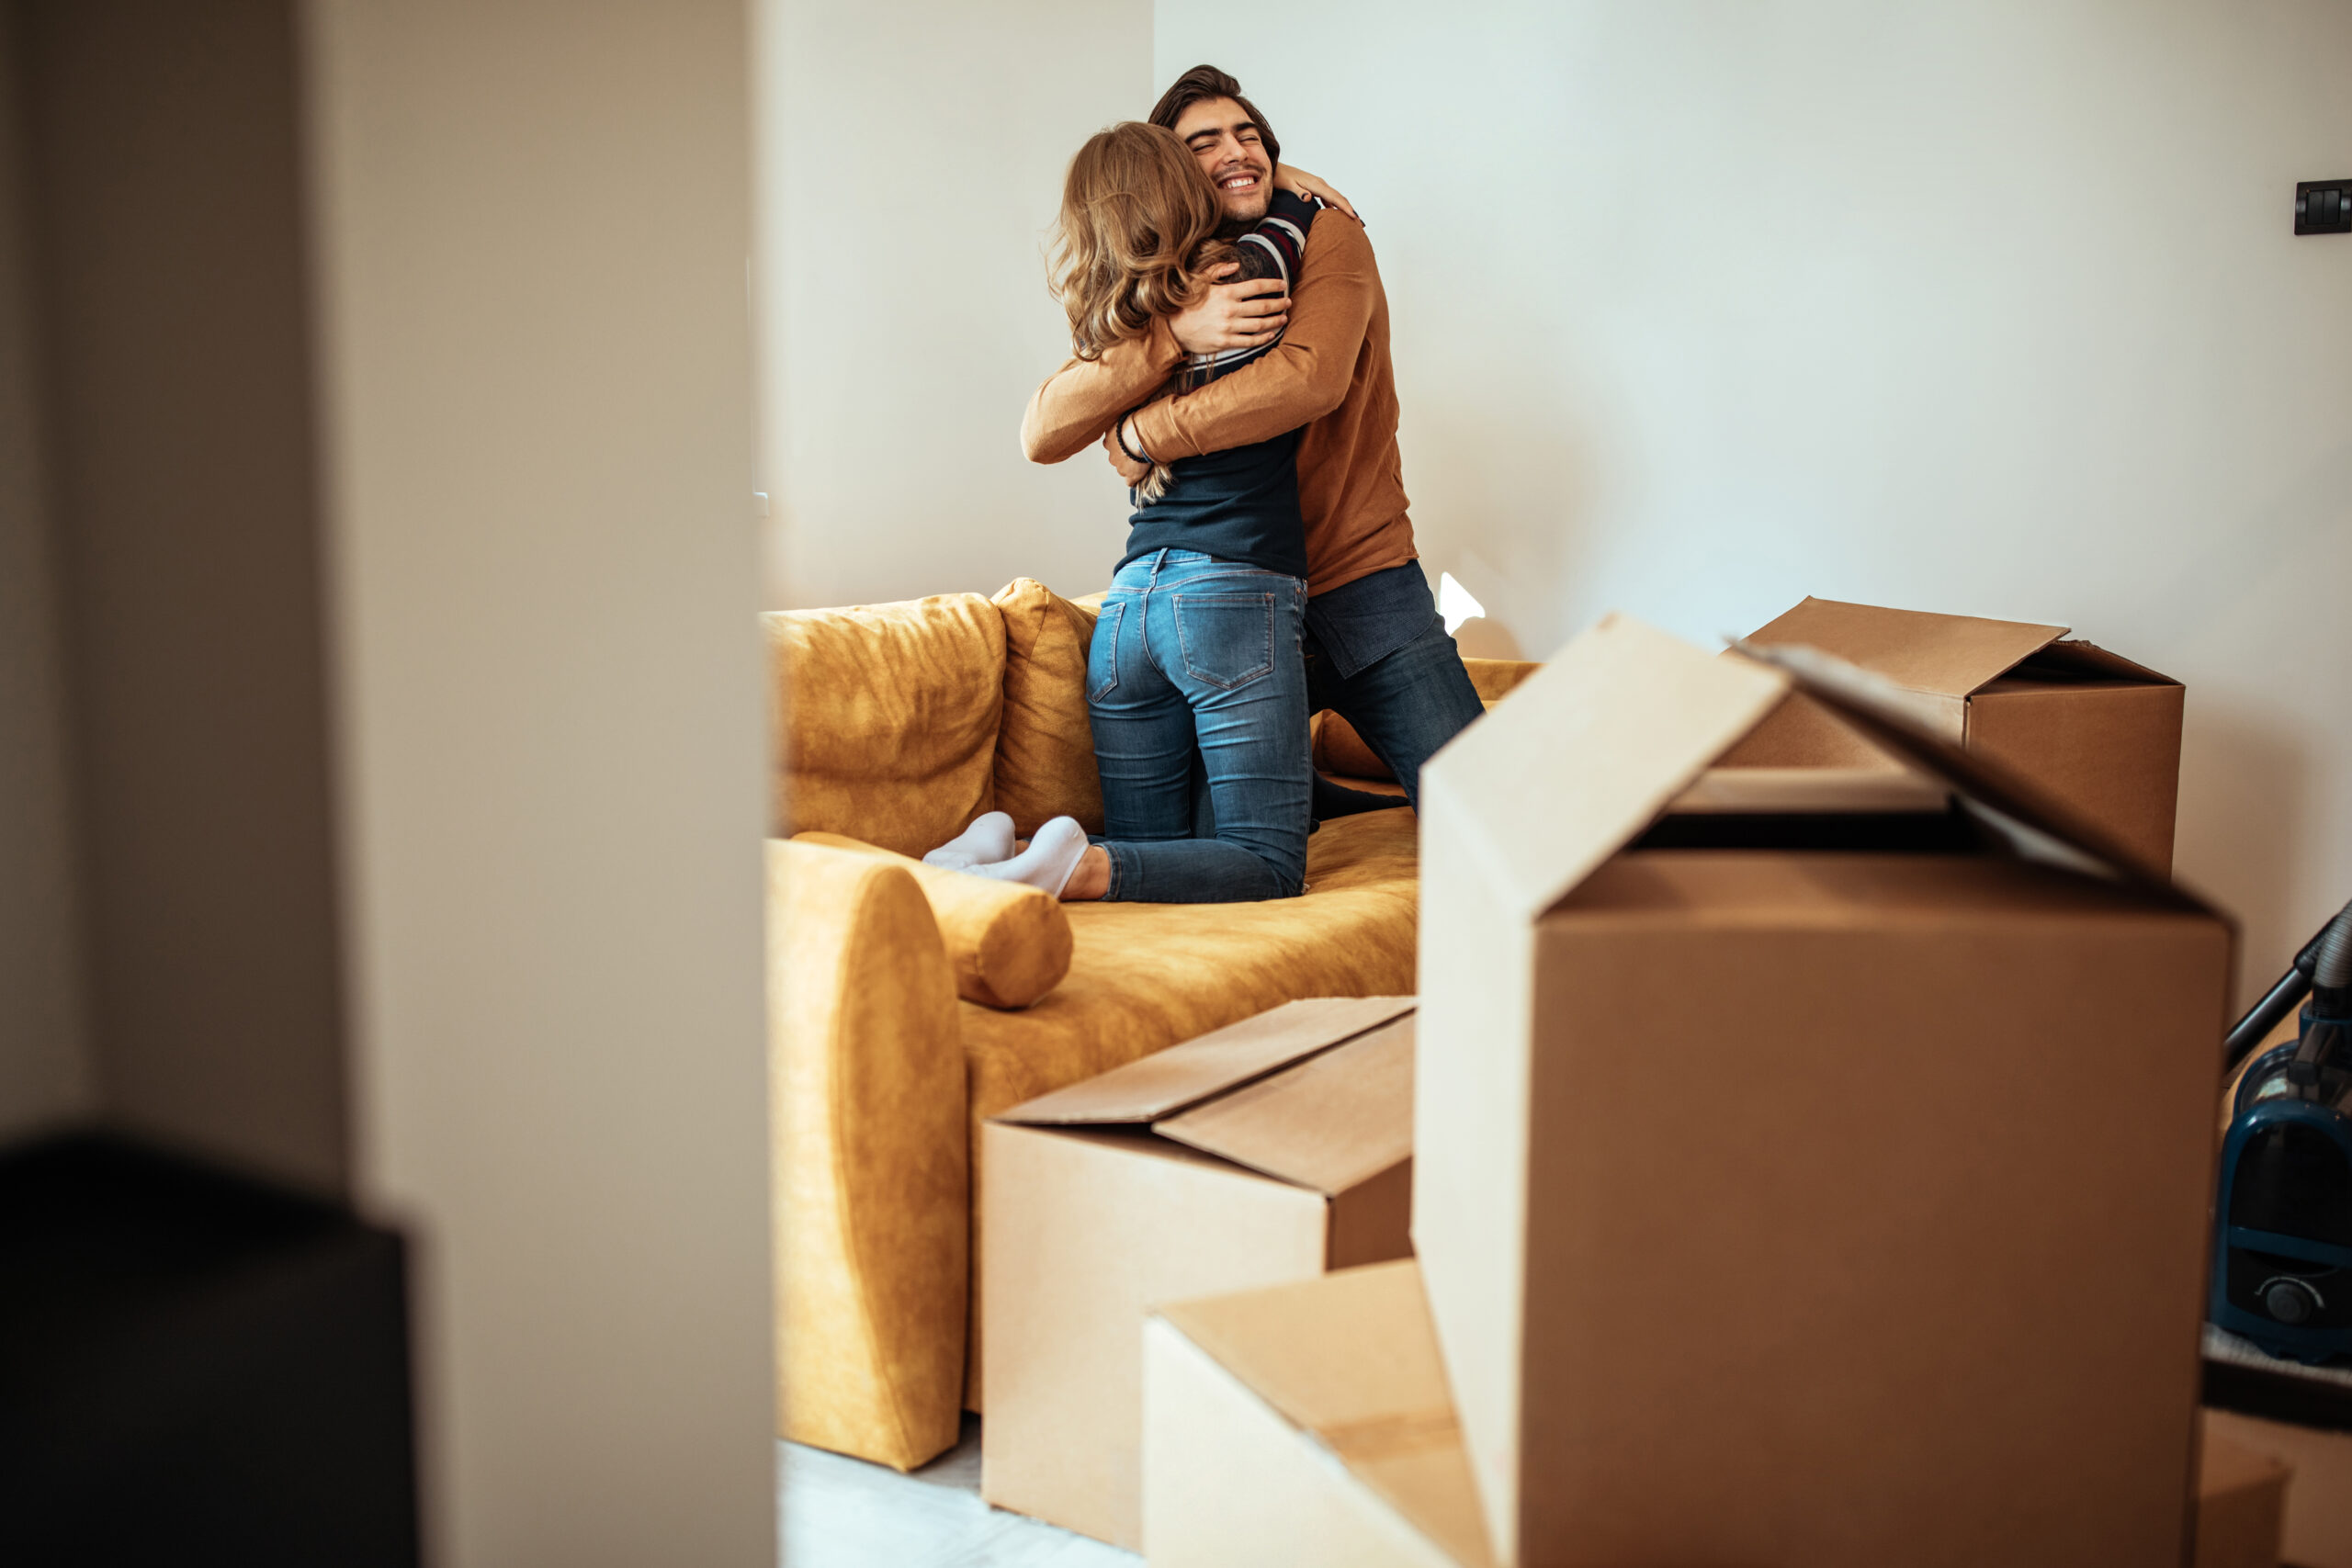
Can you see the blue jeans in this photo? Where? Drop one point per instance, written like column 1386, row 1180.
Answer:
column 1378, row 655
column 1199, row 657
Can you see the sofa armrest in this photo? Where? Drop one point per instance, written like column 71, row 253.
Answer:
column 870, row 1164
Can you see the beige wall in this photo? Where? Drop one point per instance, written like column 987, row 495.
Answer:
column 46, row 1074
column 911, row 160
column 533, row 220
column 163, row 178
column 1990, row 309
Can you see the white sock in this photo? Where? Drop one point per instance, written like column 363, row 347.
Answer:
column 1048, row 860
column 990, row 838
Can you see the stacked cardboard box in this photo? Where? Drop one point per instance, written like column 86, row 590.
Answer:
column 1822, row 1184
column 1270, row 1150
column 1308, row 1426
column 2091, row 728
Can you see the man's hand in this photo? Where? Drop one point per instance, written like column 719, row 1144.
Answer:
column 1131, row 473
column 1231, row 315
column 1298, row 182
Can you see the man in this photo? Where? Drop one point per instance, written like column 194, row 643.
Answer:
column 1377, row 653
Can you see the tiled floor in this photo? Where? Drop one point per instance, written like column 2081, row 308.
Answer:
column 845, row 1512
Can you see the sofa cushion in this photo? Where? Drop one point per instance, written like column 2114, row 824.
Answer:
column 886, row 718
column 1044, row 749
column 1146, row 975
column 1008, row 943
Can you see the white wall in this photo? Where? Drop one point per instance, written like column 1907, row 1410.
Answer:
column 533, row 221
column 46, row 1073
column 1990, row 309
column 912, row 154
column 165, row 177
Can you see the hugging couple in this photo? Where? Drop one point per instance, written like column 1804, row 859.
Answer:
column 1230, row 343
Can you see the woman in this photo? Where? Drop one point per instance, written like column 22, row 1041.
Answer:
column 1194, row 676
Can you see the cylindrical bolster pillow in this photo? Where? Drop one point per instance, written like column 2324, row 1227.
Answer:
column 1008, row 943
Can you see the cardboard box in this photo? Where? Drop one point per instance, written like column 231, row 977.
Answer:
column 1773, row 1200
column 2317, row 1530
column 1307, row 1426
column 2095, row 729
column 1267, row 1152
column 2241, row 1502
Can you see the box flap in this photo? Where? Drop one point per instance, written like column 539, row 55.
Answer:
column 1950, row 656
column 1589, row 750
column 1328, row 1123
column 2036, row 820
column 1352, row 1359
column 1167, row 1081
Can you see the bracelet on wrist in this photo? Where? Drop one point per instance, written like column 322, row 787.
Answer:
column 1119, row 431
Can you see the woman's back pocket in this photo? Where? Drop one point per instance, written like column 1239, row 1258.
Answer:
column 1228, row 637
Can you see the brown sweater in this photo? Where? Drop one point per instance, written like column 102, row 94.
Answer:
column 1330, row 373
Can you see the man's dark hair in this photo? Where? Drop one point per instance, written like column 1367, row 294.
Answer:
column 1205, row 81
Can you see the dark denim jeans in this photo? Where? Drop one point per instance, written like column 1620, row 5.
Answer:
column 1379, row 656
column 1199, row 657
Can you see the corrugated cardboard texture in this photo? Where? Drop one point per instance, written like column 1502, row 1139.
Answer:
column 1862, row 699
column 1801, row 733
column 1947, row 656
column 2241, row 1503
column 1252, row 1397
column 1547, row 1078
column 1337, row 1120
column 1089, row 1226
column 1470, row 1129
column 1347, row 1364
column 1617, row 725
column 1229, row 1483
column 1515, row 812
column 1778, row 791
column 1870, row 1191
column 2318, row 1532
column 1372, row 1220
column 2097, row 731
column 1088, row 1231
column 2108, row 748
column 1167, row 1081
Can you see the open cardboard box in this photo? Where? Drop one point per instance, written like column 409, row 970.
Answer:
column 1828, row 1172
column 1268, row 1151
column 2094, row 729
column 1308, row 1425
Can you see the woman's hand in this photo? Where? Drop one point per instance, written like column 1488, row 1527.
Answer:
column 1298, row 182
column 1231, row 315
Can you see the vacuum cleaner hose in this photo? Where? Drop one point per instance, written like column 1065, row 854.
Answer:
column 2331, row 973
column 2332, row 954
column 2292, row 988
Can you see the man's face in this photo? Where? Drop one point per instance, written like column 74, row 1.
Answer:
column 1225, row 140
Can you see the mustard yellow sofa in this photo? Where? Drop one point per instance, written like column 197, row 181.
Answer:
column 908, row 1005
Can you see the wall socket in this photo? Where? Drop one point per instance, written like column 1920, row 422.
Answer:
column 2323, row 206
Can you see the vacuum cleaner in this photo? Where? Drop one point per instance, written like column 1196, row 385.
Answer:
column 2282, row 1232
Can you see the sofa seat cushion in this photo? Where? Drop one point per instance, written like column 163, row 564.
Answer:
column 1142, row 977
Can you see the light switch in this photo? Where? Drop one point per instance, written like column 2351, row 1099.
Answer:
column 2323, row 206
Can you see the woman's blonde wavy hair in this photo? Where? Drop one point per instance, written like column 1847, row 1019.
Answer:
column 1137, row 229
